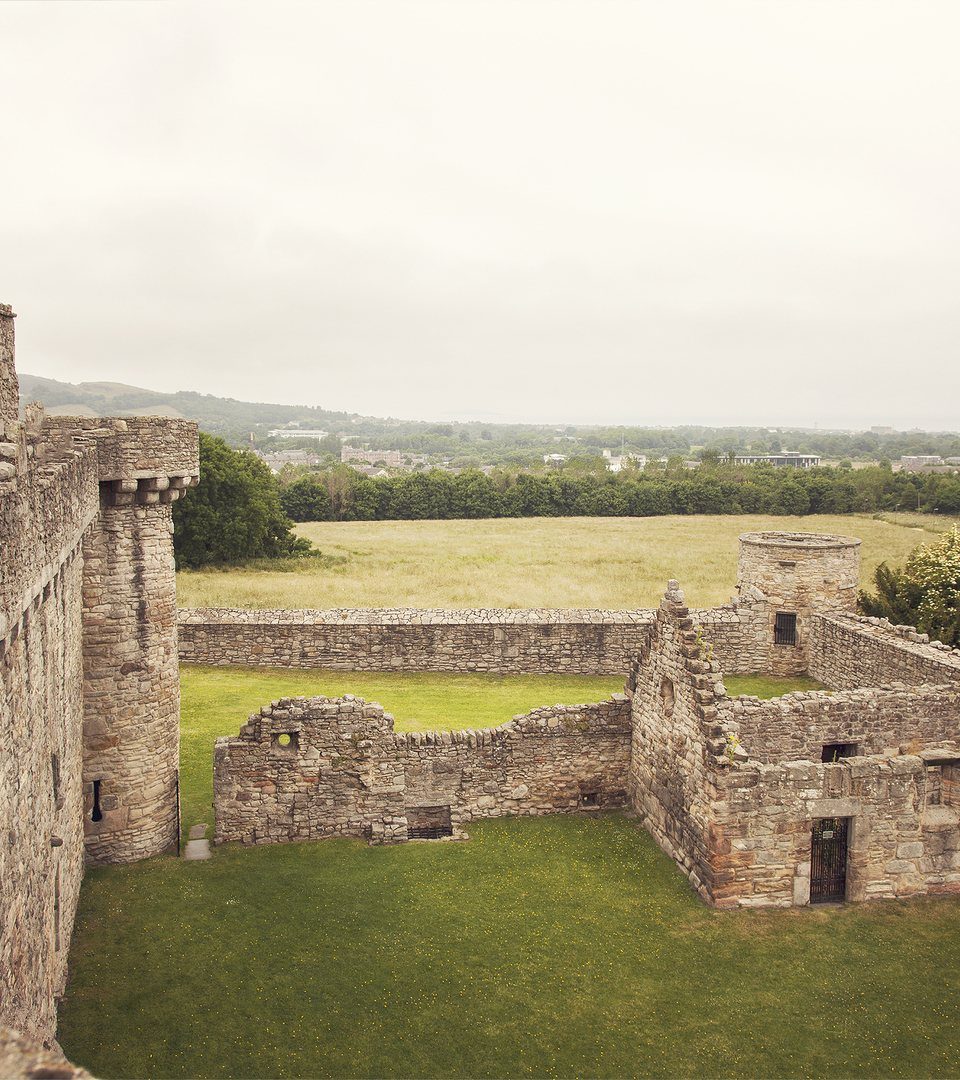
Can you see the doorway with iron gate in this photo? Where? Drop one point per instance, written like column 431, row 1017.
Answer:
column 828, row 860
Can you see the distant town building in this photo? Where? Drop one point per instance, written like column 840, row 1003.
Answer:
column 554, row 459
column 788, row 458
column 298, row 433
column 881, row 429
column 910, row 462
column 392, row 459
column 616, row 462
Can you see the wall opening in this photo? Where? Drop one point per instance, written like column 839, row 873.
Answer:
column 55, row 777
column 428, row 822
column 834, row 751
column 668, row 696
column 589, row 798
column 286, row 741
column 785, row 628
column 56, row 911
column 97, row 814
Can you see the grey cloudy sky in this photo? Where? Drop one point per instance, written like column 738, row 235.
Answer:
column 634, row 212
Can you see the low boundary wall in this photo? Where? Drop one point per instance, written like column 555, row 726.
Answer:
column 498, row 641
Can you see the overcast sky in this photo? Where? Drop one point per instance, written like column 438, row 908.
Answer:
column 665, row 212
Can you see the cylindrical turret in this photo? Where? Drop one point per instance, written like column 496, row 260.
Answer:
column 800, row 571
column 785, row 577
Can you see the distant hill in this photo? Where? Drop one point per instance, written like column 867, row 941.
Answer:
column 233, row 419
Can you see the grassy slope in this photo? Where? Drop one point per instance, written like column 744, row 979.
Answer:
column 531, row 562
column 565, row 946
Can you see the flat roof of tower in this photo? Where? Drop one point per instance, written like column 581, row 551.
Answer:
column 818, row 541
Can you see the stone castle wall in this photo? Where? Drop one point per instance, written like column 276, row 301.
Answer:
column 903, row 842
column 344, row 771
column 881, row 720
column 850, row 651
column 498, row 641
column 88, row 670
column 677, row 740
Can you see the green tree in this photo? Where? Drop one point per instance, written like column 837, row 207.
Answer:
column 235, row 513
column 925, row 593
column 306, row 499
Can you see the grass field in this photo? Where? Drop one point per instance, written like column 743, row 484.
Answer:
column 559, row 946
column 530, row 562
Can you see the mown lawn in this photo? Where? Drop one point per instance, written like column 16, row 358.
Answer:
column 531, row 562
column 563, row 946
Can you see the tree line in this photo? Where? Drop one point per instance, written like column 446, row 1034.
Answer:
column 341, row 494
column 241, row 510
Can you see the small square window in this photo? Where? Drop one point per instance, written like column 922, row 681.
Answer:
column 287, row 741
column 589, row 798
column 834, row 751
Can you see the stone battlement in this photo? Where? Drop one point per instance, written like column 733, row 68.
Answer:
column 89, row 683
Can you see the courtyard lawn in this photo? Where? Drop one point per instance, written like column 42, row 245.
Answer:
column 530, row 562
column 217, row 701
column 560, row 946
column 768, row 686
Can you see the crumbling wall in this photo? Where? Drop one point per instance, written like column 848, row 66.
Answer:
column 849, row 651
column 903, row 841
column 586, row 642
column 880, row 720
column 678, row 740
column 306, row 768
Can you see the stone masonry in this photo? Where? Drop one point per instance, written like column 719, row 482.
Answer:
column 306, row 768
column 731, row 788
column 89, row 689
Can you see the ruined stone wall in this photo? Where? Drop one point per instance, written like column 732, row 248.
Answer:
column 678, row 740
column 888, row 720
column 346, row 772
column 23, row 1058
column 849, row 651
column 589, row 642
column 903, row 840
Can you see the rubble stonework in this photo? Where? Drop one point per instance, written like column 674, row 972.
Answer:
column 88, row 670
column 731, row 788
column 307, row 768
column 498, row 641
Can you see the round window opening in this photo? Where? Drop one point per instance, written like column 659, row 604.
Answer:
column 667, row 696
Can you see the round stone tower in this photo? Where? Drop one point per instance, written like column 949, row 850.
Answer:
column 783, row 578
column 800, row 571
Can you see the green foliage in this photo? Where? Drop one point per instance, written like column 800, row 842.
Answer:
column 584, row 488
column 925, row 592
column 235, row 514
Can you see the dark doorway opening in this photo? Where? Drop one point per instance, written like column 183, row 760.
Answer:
column 828, row 861
column 97, row 814
column 833, row 751
column 428, row 822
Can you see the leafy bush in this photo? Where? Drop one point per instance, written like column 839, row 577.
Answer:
column 235, row 514
column 925, row 593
